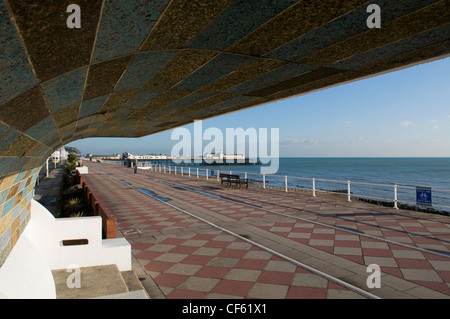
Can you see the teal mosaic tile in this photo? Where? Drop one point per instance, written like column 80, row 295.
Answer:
column 84, row 121
column 235, row 22
column 7, row 135
column 3, row 195
column 92, row 106
column 339, row 30
column 65, row 90
column 42, row 128
column 5, row 239
column 141, row 98
column 218, row 67
column 222, row 105
column 282, row 73
column 16, row 211
column 391, row 50
column 124, row 26
column 121, row 114
column 144, row 66
column 7, row 206
column 16, row 75
column 5, row 164
column 188, row 100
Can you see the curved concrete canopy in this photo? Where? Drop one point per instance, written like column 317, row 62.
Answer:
column 139, row 67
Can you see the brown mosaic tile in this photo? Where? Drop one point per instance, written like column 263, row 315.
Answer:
column 116, row 100
column 327, row 81
column 102, row 77
column 296, row 81
column 179, row 67
column 35, row 148
column 12, row 192
column 54, row 48
column 25, row 110
column 215, row 99
column 428, row 18
column 66, row 116
column 245, row 73
column 409, row 58
column 240, row 106
column 64, row 130
column 7, row 181
column 5, row 222
column 181, row 22
column 159, row 102
column 18, row 147
column 17, row 198
column 15, row 233
column 292, row 23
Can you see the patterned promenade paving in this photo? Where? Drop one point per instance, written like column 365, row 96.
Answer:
column 280, row 235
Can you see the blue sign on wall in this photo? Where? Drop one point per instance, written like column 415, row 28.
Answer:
column 423, row 196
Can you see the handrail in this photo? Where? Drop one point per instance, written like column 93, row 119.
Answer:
column 267, row 180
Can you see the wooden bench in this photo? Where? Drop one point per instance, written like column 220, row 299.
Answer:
column 232, row 179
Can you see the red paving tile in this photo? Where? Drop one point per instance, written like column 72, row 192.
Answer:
column 186, row 294
column 306, row 293
column 236, row 253
column 153, row 216
column 157, row 266
column 170, row 280
column 212, row 272
column 409, row 263
column 233, row 287
column 148, row 255
column 252, row 264
column 197, row 260
column 375, row 252
column 275, row 277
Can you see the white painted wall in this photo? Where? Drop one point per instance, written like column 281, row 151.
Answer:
column 83, row 170
column 27, row 271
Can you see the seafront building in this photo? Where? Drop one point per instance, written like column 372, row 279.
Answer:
column 125, row 69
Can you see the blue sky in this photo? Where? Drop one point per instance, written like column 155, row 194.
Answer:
column 400, row 114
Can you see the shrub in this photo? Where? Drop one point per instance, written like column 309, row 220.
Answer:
column 72, row 158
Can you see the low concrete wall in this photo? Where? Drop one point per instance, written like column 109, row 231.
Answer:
column 27, row 271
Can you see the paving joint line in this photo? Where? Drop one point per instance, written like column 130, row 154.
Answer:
column 441, row 254
column 282, row 256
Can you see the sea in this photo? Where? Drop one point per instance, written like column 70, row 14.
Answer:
column 370, row 178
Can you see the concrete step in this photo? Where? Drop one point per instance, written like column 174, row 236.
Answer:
column 98, row 282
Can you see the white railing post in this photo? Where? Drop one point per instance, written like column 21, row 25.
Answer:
column 314, row 187
column 189, row 171
column 181, row 170
column 264, row 181
column 197, row 172
column 164, row 168
column 169, row 169
column 218, row 173
column 348, row 192
column 245, row 175
column 395, row 197
column 206, row 174
column 285, row 183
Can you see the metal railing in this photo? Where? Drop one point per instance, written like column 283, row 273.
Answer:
column 391, row 194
